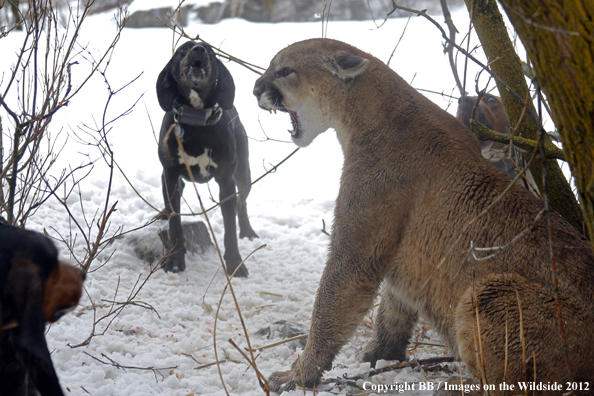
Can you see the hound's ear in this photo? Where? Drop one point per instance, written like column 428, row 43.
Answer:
column 31, row 338
column 225, row 92
column 347, row 65
column 166, row 88
column 32, row 327
column 25, row 287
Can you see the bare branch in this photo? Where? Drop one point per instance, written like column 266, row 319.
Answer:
column 448, row 47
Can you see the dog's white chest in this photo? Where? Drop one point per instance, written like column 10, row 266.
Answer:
column 203, row 161
column 195, row 99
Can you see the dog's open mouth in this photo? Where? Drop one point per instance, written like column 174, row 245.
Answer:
column 197, row 70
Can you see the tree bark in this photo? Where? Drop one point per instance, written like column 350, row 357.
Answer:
column 505, row 63
column 559, row 40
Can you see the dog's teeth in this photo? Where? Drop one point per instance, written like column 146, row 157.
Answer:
column 270, row 111
column 274, row 111
column 292, row 132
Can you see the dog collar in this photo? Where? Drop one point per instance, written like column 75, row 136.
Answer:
column 187, row 115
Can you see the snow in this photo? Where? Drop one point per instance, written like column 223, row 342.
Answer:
column 155, row 346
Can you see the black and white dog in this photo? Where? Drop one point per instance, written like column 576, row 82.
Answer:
column 197, row 91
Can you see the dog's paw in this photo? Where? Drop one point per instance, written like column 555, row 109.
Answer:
column 242, row 272
column 233, row 262
column 216, row 115
column 249, row 234
column 175, row 263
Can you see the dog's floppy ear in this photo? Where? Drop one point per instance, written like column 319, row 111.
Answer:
column 26, row 288
column 225, row 92
column 166, row 88
column 25, row 291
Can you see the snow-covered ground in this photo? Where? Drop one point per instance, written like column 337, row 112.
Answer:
column 158, row 345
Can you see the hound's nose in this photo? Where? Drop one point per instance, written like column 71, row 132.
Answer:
column 199, row 48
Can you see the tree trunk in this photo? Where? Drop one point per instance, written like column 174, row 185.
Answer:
column 559, row 40
column 504, row 62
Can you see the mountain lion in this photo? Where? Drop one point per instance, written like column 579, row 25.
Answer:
column 413, row 212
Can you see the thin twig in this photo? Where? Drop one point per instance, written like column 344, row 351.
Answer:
column 522, row 337
column 449, row 48
column 484, row 133
column 552, row 256
column 397, row 366
column 171, row 24
column 260, row 349
column 191, row 175
column 271, row 170
column 264, row 385
column 399, row 40
column 466, row 53
column 462, row 232
column 115, row 364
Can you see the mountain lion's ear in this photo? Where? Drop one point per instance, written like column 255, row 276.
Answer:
column 347, row 65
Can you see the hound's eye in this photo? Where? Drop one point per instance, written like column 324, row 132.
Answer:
column 284, row 72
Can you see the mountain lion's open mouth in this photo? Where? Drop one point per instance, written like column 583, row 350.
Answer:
column 295, row 131
column 294, row 122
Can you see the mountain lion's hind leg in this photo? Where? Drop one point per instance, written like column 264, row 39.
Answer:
column 394, row 325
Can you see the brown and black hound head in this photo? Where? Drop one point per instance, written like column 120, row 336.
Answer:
column 489, row 112
column 32, row 280
column 195, row 77
column 35, row 288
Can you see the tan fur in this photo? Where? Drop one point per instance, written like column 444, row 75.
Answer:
column 413, row 184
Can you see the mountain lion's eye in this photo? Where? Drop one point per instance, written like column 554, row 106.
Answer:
column 284, row 72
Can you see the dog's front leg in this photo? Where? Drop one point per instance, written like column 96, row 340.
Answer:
column 345, row 294
column 229, row 209
column 172, row 190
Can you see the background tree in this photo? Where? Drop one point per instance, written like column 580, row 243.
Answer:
column 515, row 94
column 559, row 40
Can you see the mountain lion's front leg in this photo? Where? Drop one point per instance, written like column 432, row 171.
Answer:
column 345, row 294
